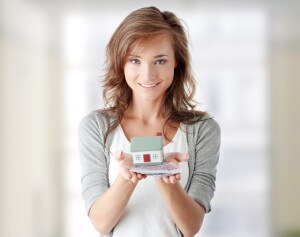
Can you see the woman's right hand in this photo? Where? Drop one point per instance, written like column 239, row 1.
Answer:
column 125, row 162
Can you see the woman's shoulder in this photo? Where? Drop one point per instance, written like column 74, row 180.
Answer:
column 99, row 114
column 206, row 122
column 96, row 119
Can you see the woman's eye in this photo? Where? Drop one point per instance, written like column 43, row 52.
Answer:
column 161, row 61
column 134, row 61
column 137, row 61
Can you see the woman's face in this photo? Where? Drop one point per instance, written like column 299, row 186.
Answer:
column 149, row 68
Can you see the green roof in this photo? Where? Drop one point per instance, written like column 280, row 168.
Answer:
column 149, row 143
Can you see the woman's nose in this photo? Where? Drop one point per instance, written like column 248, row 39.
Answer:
column 148, row 72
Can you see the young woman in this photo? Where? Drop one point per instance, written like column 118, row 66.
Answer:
column 148, row 88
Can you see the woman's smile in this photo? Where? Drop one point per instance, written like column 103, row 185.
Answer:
column 149, row 86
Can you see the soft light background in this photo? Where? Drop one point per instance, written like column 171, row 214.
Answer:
column 246, row 60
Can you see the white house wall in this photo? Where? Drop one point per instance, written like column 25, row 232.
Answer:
column 151, row 153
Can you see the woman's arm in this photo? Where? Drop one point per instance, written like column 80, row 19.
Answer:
column 107, row 210
column 104, row 203
column 186, row 213
column 188, row 209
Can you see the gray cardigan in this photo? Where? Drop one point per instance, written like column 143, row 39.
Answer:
column 204, row 138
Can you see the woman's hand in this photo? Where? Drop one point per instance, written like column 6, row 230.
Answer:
column 125, row 162
column 174, row 158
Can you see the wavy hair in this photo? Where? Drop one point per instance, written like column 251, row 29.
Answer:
column 141, row 25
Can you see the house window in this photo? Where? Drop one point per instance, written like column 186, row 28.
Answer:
column 155, row 156
column 138, row 157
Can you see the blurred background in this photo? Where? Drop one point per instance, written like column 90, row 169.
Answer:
column 246, row 59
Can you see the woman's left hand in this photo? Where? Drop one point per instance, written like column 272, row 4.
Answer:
column 174, row 158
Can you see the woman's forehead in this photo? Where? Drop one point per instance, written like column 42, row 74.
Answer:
column 158, row 43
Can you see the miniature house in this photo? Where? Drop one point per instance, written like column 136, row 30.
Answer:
column 147, row 150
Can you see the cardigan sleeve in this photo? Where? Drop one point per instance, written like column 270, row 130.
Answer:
column 93, row 161
column 207, row 149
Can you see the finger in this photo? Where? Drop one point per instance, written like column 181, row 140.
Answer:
column 144, row 176
column 126, row 173
column 166, row 179
column 139, row 176
column 127, row 160
column 134, row 178
column 170, row 158
column 118, row 155
column 182, row 157
column 177, row 176
column 178, row 156
column 173, row 179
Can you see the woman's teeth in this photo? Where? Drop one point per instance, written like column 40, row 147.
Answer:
column 148, row 86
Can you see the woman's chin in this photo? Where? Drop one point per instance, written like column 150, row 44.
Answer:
column 148, row 97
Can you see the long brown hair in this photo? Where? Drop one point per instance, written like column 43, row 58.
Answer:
column 139, row 26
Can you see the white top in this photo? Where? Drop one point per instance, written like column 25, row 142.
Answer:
column 146, row 214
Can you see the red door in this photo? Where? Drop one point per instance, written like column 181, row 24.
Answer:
column 146, row 157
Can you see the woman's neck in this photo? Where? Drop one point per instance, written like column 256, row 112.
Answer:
column 148, row 112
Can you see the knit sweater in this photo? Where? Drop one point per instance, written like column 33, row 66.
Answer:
column 203, row 137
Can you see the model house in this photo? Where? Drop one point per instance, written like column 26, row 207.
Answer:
column 147, row 150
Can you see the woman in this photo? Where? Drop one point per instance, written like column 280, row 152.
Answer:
column 148, row 88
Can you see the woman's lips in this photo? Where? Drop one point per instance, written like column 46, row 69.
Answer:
column 149, row 86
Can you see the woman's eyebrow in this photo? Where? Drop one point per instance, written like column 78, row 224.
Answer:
column 157, row 56
column 161, row 55
column 133, row 55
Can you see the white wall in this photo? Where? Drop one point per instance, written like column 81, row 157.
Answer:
column 285, row 87
column 29, row 138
